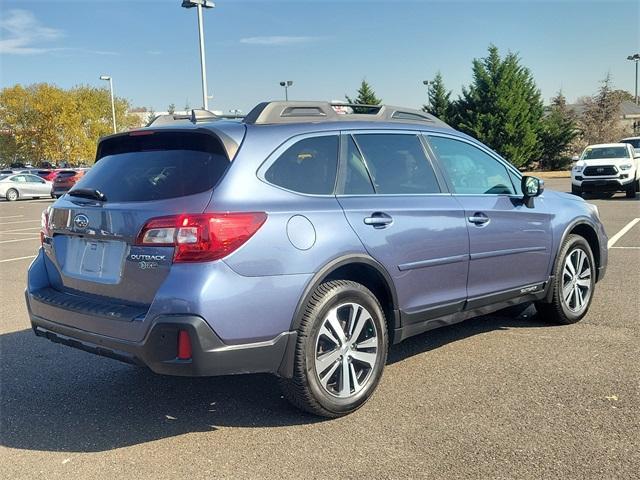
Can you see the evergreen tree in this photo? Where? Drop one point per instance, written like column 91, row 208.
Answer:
column 502, row 107
column 366, row 96
column 171, row 109
column 439, row 103
column 600, row 122
column 559, row 128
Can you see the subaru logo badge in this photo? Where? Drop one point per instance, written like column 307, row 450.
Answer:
column 81, row 221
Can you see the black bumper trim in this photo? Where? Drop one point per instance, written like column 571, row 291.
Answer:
column 602, row 186
column 158, row 351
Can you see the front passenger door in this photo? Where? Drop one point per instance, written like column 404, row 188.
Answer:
column 509, row 243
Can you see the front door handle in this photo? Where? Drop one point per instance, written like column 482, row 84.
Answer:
column 479, row 218
column 378, row 220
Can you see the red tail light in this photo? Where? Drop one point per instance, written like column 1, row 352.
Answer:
column 201, row 237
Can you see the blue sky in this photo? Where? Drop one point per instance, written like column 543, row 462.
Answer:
column 149, row 47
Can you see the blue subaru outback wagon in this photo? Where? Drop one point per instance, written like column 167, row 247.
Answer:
column 302, row 242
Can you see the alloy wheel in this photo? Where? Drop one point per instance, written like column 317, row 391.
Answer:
column 576, row 280
column 346, row 350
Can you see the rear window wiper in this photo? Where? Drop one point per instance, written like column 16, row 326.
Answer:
column 88, row 193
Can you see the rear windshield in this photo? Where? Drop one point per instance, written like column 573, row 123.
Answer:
column 156, row 167
column 605, row 152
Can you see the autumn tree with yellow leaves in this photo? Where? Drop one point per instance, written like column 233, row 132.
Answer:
column 43, row 122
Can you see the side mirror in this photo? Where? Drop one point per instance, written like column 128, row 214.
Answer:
column 575, row 158
column 531, row 187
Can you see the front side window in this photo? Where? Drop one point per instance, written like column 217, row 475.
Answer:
column 308, row 166
column 34, row 179
column 397, row 164
column 470, row 170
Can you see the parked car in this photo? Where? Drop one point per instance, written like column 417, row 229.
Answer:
column 302, row 242
column 17, row 186
column 607, row 167
column 36, row 171
column 633, row 141
column 64, row 180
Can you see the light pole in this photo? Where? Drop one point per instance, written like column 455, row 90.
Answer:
column 200, row 4
column 635, row 58
column 235, row 112
column 426, row 83
column 286, row 86
column 113, row 105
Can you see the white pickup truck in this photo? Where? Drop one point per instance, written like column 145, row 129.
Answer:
column 607, row 167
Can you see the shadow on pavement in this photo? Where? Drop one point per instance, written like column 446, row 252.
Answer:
column 55, row 398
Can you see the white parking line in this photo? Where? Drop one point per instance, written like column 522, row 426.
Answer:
column 17, row 258
column 627, row 248
column 20, row 233
column 20, row 221
column 625, row 229
column 19, row 240
column 11, row 216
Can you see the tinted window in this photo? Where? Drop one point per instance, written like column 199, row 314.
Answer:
column 357, row 181
column 470, row 170
column 156, row 167
column 34, row 179
column 19, row 179
column 308, row 166
column 397, row 164
column 634, row 142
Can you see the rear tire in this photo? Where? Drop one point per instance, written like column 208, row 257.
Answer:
column 340, row 352
column 12, row 195
column 576, row 190
column 572, row 285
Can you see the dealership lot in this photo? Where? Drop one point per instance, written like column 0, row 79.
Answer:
column 497, row 396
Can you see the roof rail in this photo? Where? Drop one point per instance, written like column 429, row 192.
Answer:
column 278, row 112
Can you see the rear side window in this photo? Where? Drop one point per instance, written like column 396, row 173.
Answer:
column 156, row 167
column 308, row 166
column 397, row 164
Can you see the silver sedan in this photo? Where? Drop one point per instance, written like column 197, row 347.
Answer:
column 23, row 185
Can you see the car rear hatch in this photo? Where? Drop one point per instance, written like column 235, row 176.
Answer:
column 90, row 235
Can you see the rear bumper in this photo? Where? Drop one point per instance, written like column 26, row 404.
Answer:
column 158, row 351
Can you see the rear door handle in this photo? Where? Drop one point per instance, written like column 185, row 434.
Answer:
column 378, row 220
column 478, row 218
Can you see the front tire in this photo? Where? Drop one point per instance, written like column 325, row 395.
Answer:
column 573, row 283
column 340, row 352
column 576, row 190
column 12, row 195
column 631, row 190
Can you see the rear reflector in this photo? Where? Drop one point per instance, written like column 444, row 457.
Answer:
column 184, row 345
column 201, row 237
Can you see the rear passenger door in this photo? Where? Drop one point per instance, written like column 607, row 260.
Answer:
column 394, row 201
column 510, row 243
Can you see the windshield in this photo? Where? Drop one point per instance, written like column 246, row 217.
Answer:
column 156, row 167
column 605, row 152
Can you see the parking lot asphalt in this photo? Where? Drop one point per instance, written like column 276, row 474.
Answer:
column 493, row 397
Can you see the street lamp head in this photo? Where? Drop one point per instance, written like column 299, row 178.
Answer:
column 289, row 83
column 635, row 57
column 195, row 3
column 105, row 77
column 425, row 82
column 282, row 84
